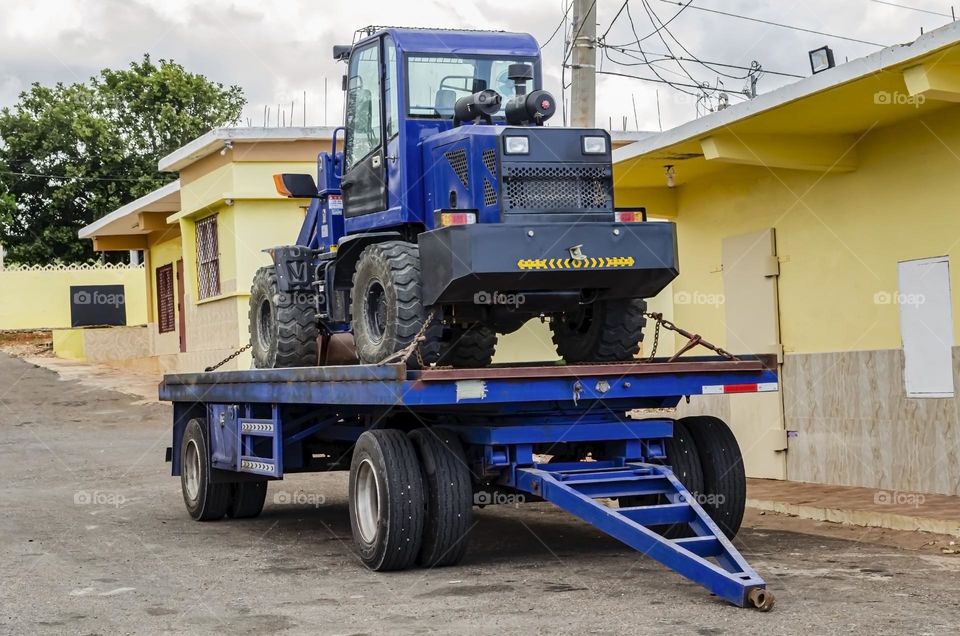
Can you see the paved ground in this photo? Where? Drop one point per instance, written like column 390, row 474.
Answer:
column 95, row 540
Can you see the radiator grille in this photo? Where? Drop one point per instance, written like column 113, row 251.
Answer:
column 489, row 194
column 490, row 160
column 558, row 188
column 458, row 162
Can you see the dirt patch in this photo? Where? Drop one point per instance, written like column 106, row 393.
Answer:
column 22, row 344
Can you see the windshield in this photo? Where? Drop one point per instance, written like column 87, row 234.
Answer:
column 435, row 83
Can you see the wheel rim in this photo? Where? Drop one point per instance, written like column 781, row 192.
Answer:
column 265, row 323
column 376, row 311
column 366, row 501
column 191, row 470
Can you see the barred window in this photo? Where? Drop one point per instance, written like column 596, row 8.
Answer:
column 208, row 258
column 166, row 318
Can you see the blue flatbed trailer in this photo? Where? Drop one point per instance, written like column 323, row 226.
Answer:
column 503, row 423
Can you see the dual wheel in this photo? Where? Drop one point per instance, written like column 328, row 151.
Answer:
column 411, row 499
column 209, row 500
column 704, row 455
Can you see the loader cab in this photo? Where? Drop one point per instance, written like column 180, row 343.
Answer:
column 401, row 88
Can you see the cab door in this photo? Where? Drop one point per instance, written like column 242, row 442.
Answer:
column 364, row 181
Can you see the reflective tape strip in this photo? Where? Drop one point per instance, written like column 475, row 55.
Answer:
column 719, row 389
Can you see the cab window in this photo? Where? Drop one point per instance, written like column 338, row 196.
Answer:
column 364, row 128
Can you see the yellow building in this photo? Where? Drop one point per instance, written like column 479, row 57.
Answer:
column 819, row 222
column 203, row 238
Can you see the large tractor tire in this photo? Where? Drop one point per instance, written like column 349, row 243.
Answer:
column 449, row 497
column 387, row 500
column 724, row 494
column 686, row 464
column 604, row 331
column 283, row 326
column 387, row 308
column 468, row 347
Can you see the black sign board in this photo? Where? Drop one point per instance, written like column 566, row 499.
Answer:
column 97, row 305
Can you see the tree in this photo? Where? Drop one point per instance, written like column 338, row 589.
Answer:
column 72, row 153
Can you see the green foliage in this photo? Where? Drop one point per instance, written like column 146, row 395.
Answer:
column 101, row 141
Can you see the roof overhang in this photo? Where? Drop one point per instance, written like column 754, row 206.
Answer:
column 218, row 139
column 140, row 217
column 813, row 124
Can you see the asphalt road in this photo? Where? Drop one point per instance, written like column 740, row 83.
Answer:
column 94, row 539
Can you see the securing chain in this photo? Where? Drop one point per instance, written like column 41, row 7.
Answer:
column 414, row 347
column 228, row 358
column 693, row 339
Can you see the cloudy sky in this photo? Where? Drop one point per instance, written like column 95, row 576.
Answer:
column 277, row 49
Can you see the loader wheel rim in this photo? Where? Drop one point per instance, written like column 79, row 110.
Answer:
column 191, row 470
column 265, row 323
column 366, row 496
column 376, row 311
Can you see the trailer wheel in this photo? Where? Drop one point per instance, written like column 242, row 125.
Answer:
column 205, row 501
column 246, row 499
column 449, row 497
column 387, row 309
column 283, row 326
column 684, row 461
column 604, row 331
column 468, row 347
column 724, row 479
column 386, row 500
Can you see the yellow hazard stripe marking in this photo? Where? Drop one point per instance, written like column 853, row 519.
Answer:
column 602, row 262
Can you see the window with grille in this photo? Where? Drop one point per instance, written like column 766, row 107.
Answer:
column 166, row 318
column 208, row 258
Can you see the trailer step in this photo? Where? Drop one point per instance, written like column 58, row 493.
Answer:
column 708, row 558
column 259, row 445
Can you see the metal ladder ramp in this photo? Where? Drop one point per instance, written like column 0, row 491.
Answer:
column 707, row 558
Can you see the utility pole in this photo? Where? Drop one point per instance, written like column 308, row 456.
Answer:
column 583, row 89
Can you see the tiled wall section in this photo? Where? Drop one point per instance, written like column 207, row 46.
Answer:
column 855, row 425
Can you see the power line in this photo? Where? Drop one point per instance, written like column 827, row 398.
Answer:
column 776, row 24
column 626, row 51
column 918, row 9
column 563, row 21
column 64, row 178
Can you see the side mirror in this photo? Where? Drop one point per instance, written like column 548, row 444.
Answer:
column 341, row 52
column 295, row 186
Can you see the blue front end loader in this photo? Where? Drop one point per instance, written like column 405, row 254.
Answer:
column 453, row 214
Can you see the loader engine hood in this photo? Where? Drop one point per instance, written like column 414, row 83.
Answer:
column 508, row 174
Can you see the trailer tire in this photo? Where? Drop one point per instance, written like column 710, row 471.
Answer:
column 724, row 496
column 386, row 500
column 205, row 500
column 604, row 331
column 468, row 347
column 246, row 499
column 449, row 497
column 684, row 461
column 283, row 325
column 387, row 309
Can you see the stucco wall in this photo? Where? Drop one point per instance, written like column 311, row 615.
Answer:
column 40, row 299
